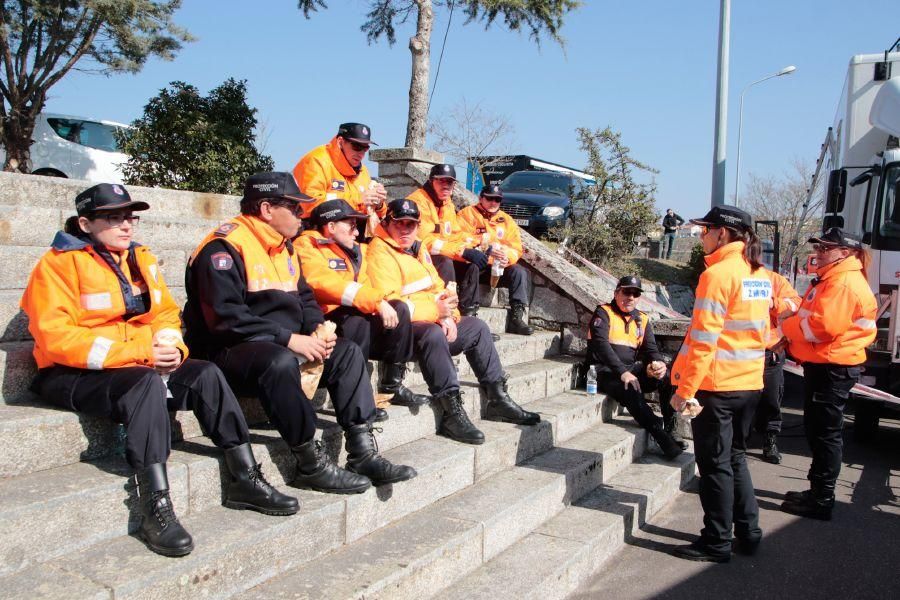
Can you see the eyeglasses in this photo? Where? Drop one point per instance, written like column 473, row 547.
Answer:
column 295, row 207
column 117, row 220
column 630, row 292
column 357, row 147
column 492, row 199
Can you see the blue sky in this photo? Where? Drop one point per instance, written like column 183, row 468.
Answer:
column 648, row 69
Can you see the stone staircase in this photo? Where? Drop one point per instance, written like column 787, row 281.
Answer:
column 531, row 513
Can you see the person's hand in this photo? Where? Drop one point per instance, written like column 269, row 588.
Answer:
column 374, row 196
column 785, row 314
column 656, row 369
column 780, row 345
column 166, row 358
column 476, row 257
column 630, row 380
column 309, row 347
column 677, row 402
column 388, row 315
column 330, row 340
column 448, row 326
column 446, row 303
column 498, row 252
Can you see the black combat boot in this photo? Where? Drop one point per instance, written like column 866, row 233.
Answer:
column 363, row 458
column 316, row 471
column 392, row 383
column 455, row 423
column 515, row 320
column 248, row 487
column 160, row 528
column 797, row 496
column 671, row 427
column 666, row 442
column 502, row 408
column 770, row 448
column 470, row 311
column 815, row 504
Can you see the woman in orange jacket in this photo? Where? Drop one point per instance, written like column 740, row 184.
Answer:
column 829, row 336
column 107, row 341
column 720, row 366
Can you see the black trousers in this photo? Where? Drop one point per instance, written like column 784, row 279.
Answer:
column 720, row 445
column 634, row 401
column 272, row 373
column 768, row 412
column 368, row 332
column 515, row 278
column 434, row 352
column 444, row 266
column 136, row 398
column 827, row 388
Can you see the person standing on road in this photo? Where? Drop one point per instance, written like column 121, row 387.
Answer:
column 829, row 336
column 720, row 366
column 671, row 222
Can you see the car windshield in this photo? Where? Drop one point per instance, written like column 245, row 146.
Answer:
column 87, row 133
column 538, row 181
column 889, row 226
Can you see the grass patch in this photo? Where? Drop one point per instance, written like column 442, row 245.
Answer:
column 664, row 272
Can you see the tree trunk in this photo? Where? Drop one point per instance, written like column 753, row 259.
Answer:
column 420, row 48
column 18, row 129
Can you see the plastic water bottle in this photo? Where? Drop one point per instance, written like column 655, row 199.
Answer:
column 592, row 380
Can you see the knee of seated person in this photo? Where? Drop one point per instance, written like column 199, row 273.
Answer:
column 402, row 309
column 283, row 360
column 433, row 335
column 345, row 349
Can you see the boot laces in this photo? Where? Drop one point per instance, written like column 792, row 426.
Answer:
column 257, row 478
column 375, row 439
column 163, row 509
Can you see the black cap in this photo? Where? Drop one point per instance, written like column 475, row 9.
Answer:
column 273, row 185
column 106, row 196
column 441, row 171
column 835, row 236
column 724, row 215
column 492, row 190
column 334, row 210
column 630, row 281
column 356, row 132
column 403, row 209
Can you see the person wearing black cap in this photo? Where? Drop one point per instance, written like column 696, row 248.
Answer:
column 334, row 266
column 829, row 335
column 719, row 372
column 251, row 312
column 107, row 341
column 440, row 230
column 335, row 170
column 499, row 235
column 400, row 265
column 622, row 345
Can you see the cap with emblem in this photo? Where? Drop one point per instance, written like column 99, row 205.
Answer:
column 492, row 191
column 835, row 236
column 403, row 210
column 334, row 210
column 106, row 196
column 725, row 215
column 273, row 185
column 630, row 281
column 444, row 171
column 356, row 132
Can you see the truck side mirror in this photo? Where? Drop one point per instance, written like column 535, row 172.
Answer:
column 837, row 188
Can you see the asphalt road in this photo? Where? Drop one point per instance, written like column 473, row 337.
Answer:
column 856, row 555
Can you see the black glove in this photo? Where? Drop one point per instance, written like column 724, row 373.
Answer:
column 476, row 257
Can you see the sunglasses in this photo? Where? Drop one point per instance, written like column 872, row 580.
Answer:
column 357, row 147
column 295, row 207
column 824, row 247
column 117, row 220
column 633, row 293
column 492, row 199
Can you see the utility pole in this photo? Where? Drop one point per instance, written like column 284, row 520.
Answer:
column 718, row 175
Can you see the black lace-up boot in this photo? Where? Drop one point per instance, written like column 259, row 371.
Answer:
column 502, row 408
column 363, row 458
column 455, row 423
column 160, row 528
column 316, row 471
column 515, row 320
column 391, row 382
column 248, row 487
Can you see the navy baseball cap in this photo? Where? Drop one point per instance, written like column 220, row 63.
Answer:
column 334, row 210
column 725, row 215
column 835, row 236
column 442, row 171
column 272, row 185
column 356, row 132
column 106, row 196
column 630, row 281
column 403, row 209
column 492, row 191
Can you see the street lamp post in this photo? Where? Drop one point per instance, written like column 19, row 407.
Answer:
column 737, row 177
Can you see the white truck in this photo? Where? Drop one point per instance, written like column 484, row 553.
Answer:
column 861, row 158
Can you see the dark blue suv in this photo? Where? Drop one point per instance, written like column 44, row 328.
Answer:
column 542, row 200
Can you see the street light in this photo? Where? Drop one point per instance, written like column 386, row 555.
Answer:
column 737, row 177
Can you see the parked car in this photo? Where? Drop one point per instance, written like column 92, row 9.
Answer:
column 542, row 200
column 77, row 148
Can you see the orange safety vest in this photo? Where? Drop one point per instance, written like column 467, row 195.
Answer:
column 410, row 277
column 439, row 229
column 76, row 309
column 325, row 174
column 836, row 320
column 334, row 277
column 724, row 349
column 500, row 227
column 621, row 333
column 784, row 297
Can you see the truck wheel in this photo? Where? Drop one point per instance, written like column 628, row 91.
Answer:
column 49, row 173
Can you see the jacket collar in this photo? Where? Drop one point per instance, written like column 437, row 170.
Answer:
column 615, row 307
column 272, row 241
column 727, row 251
column 66, row 242
column 321, row 240
column 484, row 213
column 382, row 233
column 340, row 161
column 851, row 263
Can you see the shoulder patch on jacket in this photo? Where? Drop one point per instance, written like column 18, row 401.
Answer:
column 338, row 185
column 225, row 228
column 323, row 241
column 221, row 261
column 337, row 264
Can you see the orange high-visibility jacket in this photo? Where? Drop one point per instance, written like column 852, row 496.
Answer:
column 408, row 275
column 724, row 349
column 76, row 306
column 836, row 320
column 784, row 297
column 325, row 174
column 501, row 228
column 439, row 229
column 336, row 277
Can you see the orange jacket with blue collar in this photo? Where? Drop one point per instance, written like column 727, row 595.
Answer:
column 500, row 228
column 439, row 229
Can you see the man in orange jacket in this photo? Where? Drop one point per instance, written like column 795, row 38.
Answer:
column 335, row 170
column 499, row 234
column 334, row 266
column 400, row 265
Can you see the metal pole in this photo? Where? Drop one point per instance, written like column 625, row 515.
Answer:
column 737, row 175
column 718, row 176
